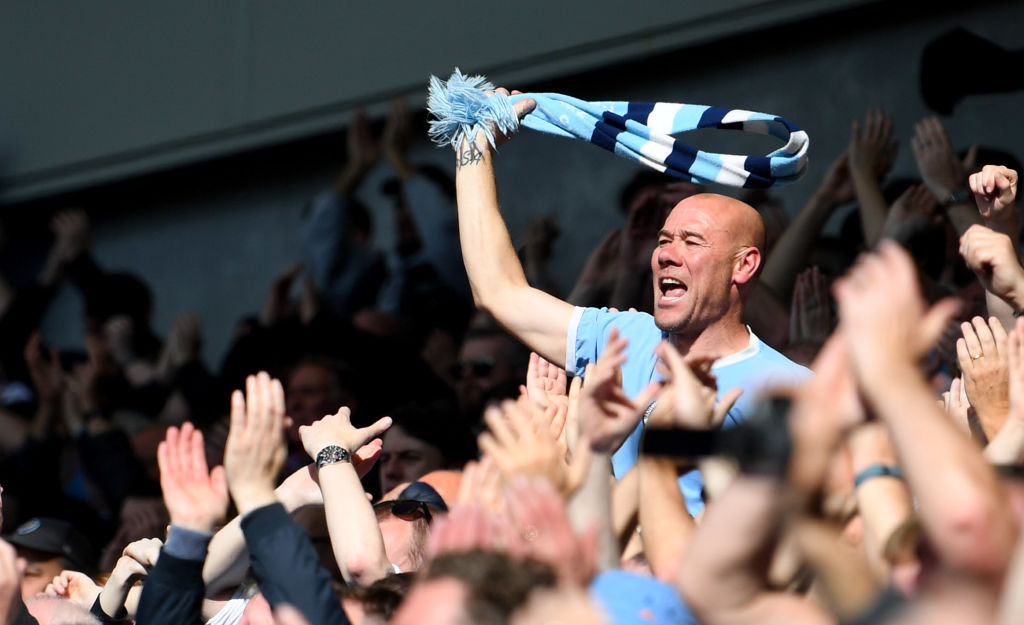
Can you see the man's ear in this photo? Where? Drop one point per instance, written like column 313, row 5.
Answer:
column 748, row 262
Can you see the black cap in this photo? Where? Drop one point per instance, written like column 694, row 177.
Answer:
column 57, row 537
column 425, row 493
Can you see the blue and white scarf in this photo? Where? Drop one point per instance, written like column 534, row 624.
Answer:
column 640, row 131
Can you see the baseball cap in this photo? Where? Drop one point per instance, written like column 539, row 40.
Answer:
column 421, row 492
column 57, row 537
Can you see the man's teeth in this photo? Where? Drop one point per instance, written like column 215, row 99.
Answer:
column 672, row 288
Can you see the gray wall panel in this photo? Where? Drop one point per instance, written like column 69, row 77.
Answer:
column 96, row 91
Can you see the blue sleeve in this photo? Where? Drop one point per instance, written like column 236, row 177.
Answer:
column 588, row 334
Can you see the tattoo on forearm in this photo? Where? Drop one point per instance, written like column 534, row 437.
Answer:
column 469, row 154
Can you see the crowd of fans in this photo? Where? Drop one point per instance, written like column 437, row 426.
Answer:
column 731, row 418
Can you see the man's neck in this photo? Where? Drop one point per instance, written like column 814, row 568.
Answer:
column 716, row 341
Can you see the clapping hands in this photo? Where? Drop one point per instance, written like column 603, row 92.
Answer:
column 689, row 397
column 255, row 452
column 196, row 499
column 607, row 415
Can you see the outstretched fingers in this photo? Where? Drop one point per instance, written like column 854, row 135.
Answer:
column 724, row 405
column 196, row 453
column 376, row 429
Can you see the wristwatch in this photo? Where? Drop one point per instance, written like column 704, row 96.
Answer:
column 958, row 196
column 332, row 454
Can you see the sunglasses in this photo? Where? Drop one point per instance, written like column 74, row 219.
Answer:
column 480, row 368
column 403, row 508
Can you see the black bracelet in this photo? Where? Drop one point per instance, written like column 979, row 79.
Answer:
column 878, row 470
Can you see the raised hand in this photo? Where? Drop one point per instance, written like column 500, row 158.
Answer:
column 465, row 528
column 195, row 499
column 647, row 213
column 277, row 306
column 599, row 272
column 995, row 189
column 606, row 414
column 937, row 162
column 1015, row 361
column 982, row 355
column 44, row 369
column 1007, row 446
column 119, row 331
column 957, row 406
column 993, row 259
column 689, row 397
column 522, row 108
column 545, row 387
column 74, row 586
column 255, row 452
column 811, row 319
column 141, row 553
column 545, row 382
column 882, row 314
column 539, row 241
column 135, row 563
column 872, row 150
column 302, row 488
column 912, row 212
column 520, row 441
column 363, row 152
column 472, row 150
column 481, row 486
column 542, row 532
column 337, row 429
column 837, row 185
column 823, row 409
column 71, row 228
column 397, row 137
column 183, row 344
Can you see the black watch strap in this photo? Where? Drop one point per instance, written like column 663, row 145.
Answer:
column 959, row 196
column 332, row 454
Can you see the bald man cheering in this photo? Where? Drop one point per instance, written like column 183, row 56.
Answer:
column 708, row 256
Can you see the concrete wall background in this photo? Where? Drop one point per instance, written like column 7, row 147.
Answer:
column 103, row 91
column 212, row 250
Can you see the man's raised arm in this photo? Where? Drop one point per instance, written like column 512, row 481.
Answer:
column 495, row 274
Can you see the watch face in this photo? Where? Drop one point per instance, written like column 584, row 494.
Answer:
column 332, row 454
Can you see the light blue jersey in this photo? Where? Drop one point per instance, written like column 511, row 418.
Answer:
column 753, row 368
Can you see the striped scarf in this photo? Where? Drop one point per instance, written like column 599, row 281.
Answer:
column 640, row 131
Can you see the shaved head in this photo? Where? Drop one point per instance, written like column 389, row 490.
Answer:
column 59, row 611
column 741, row 220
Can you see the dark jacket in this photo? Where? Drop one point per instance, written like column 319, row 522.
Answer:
column 287, row 567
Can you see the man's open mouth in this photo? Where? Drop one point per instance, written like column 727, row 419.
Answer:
column 671, row 288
